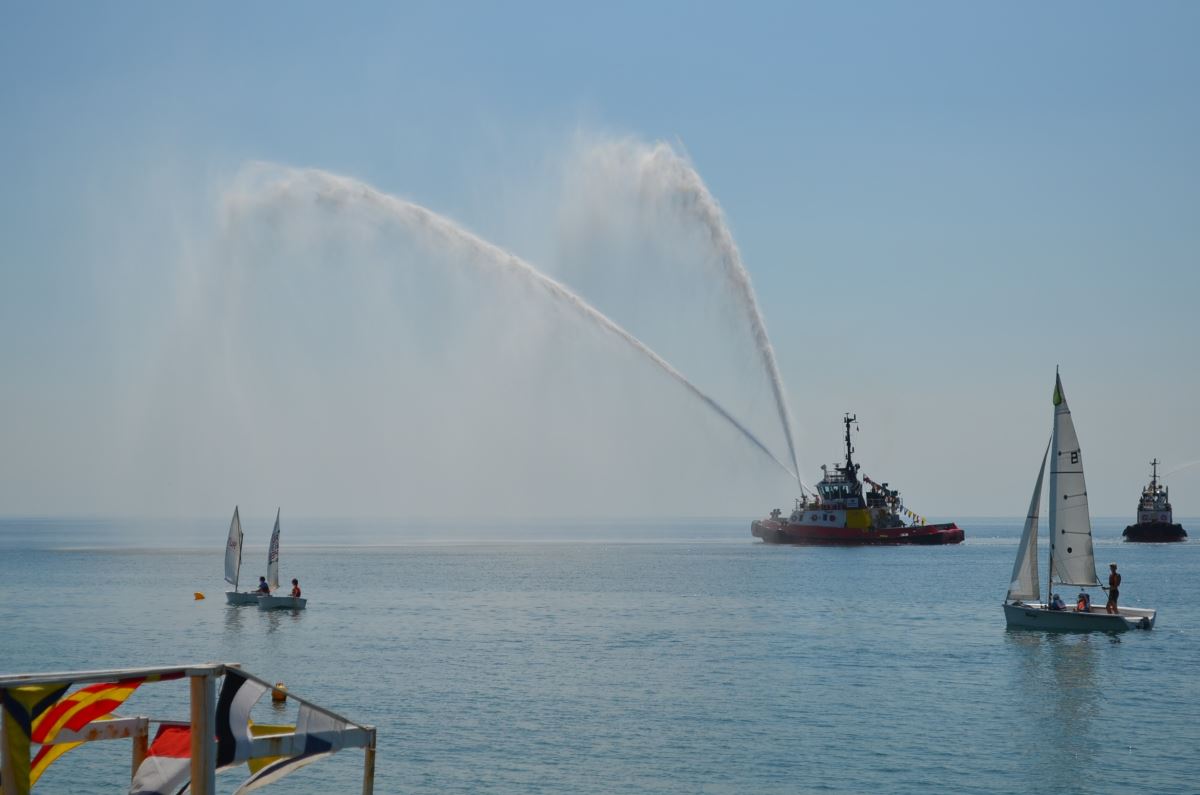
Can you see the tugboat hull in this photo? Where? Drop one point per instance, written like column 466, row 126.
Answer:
column 774, row 531
column 1155, row 532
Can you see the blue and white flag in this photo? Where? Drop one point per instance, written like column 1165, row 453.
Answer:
column 317, row 735
column 238, row 697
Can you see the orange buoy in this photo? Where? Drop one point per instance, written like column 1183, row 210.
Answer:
column 279, row 694
column 198, row 596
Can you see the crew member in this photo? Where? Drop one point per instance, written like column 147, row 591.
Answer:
column 1114, row 588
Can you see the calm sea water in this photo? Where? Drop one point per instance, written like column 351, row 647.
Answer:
column 680, row 657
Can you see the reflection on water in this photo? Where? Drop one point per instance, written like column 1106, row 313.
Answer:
column 282, row 618
column 1059, row 691
column 237, row 616
column 233, row 618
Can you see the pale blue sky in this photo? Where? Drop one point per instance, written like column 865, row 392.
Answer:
column 937, row 202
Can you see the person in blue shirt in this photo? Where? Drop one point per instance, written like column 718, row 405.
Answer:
column 262, row 585
column 1056, row 603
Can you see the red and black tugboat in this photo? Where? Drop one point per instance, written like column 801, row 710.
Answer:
column 1154, row 514
column 840, row 512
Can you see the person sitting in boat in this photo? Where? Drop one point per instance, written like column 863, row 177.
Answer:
column 1056, row 603
column 263, row 587
column 1083, row 603
column 295, row 588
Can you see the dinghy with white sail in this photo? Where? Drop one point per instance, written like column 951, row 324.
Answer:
column 1072, row 560
column 272, row 602
column 233, row 564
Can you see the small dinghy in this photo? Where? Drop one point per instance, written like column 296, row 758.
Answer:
column 233, row 565
column 270, row 601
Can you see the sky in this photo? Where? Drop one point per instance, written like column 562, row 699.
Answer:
column 937, row 205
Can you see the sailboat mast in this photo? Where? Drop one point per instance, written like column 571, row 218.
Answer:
column 1052, row 519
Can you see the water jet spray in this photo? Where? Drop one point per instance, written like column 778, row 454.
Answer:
column 329, row 190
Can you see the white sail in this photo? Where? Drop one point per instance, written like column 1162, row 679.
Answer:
column 1025, row 584
column 1071, row 558
column 273, row 556
column 233, row 551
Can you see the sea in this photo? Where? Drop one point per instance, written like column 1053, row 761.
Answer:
column 659, row 656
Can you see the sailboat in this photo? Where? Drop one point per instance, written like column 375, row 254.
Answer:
column 1072, row 560
column 270, row 601
column 233, row 564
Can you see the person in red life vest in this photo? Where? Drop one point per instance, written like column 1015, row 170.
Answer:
column 295, row 588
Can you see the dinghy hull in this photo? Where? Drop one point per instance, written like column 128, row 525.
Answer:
column 282, row 603
column 1035, row 615
column 241, row 597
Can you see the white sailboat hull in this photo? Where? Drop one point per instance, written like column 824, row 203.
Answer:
column 282, row 603
column 1035, row 615
column 241, row 597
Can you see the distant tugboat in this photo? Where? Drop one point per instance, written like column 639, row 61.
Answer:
column 840, row 513
column 1154, row 514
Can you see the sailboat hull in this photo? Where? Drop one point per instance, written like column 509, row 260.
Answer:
column 1035, row 616
column 241, row 597
column 282, row 603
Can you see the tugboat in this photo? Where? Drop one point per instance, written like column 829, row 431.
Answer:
column 841, row 513
column 1154, row 514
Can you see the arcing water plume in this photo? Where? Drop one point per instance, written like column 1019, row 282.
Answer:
column 664, row 172
column 279, row 187
column 1181, row 467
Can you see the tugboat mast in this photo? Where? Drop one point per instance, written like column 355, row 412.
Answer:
column 850, row 467
column 1154, row 476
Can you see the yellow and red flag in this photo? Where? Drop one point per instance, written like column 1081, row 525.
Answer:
column 75, row 711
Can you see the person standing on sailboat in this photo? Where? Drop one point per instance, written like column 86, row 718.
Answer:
column 1114, row 588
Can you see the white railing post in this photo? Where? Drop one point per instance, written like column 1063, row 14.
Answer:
column 204, row 743
column 141, row 744
column 368, row 787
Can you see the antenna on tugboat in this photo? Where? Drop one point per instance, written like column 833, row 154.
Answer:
column 849, row 419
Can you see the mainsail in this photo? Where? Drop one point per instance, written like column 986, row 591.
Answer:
column 233, row 551
column 1025, row 583
column 273, row 556
column 1071, row 558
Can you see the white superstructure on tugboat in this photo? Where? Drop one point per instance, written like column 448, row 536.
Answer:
column 841, row 512
column 1154, row 522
